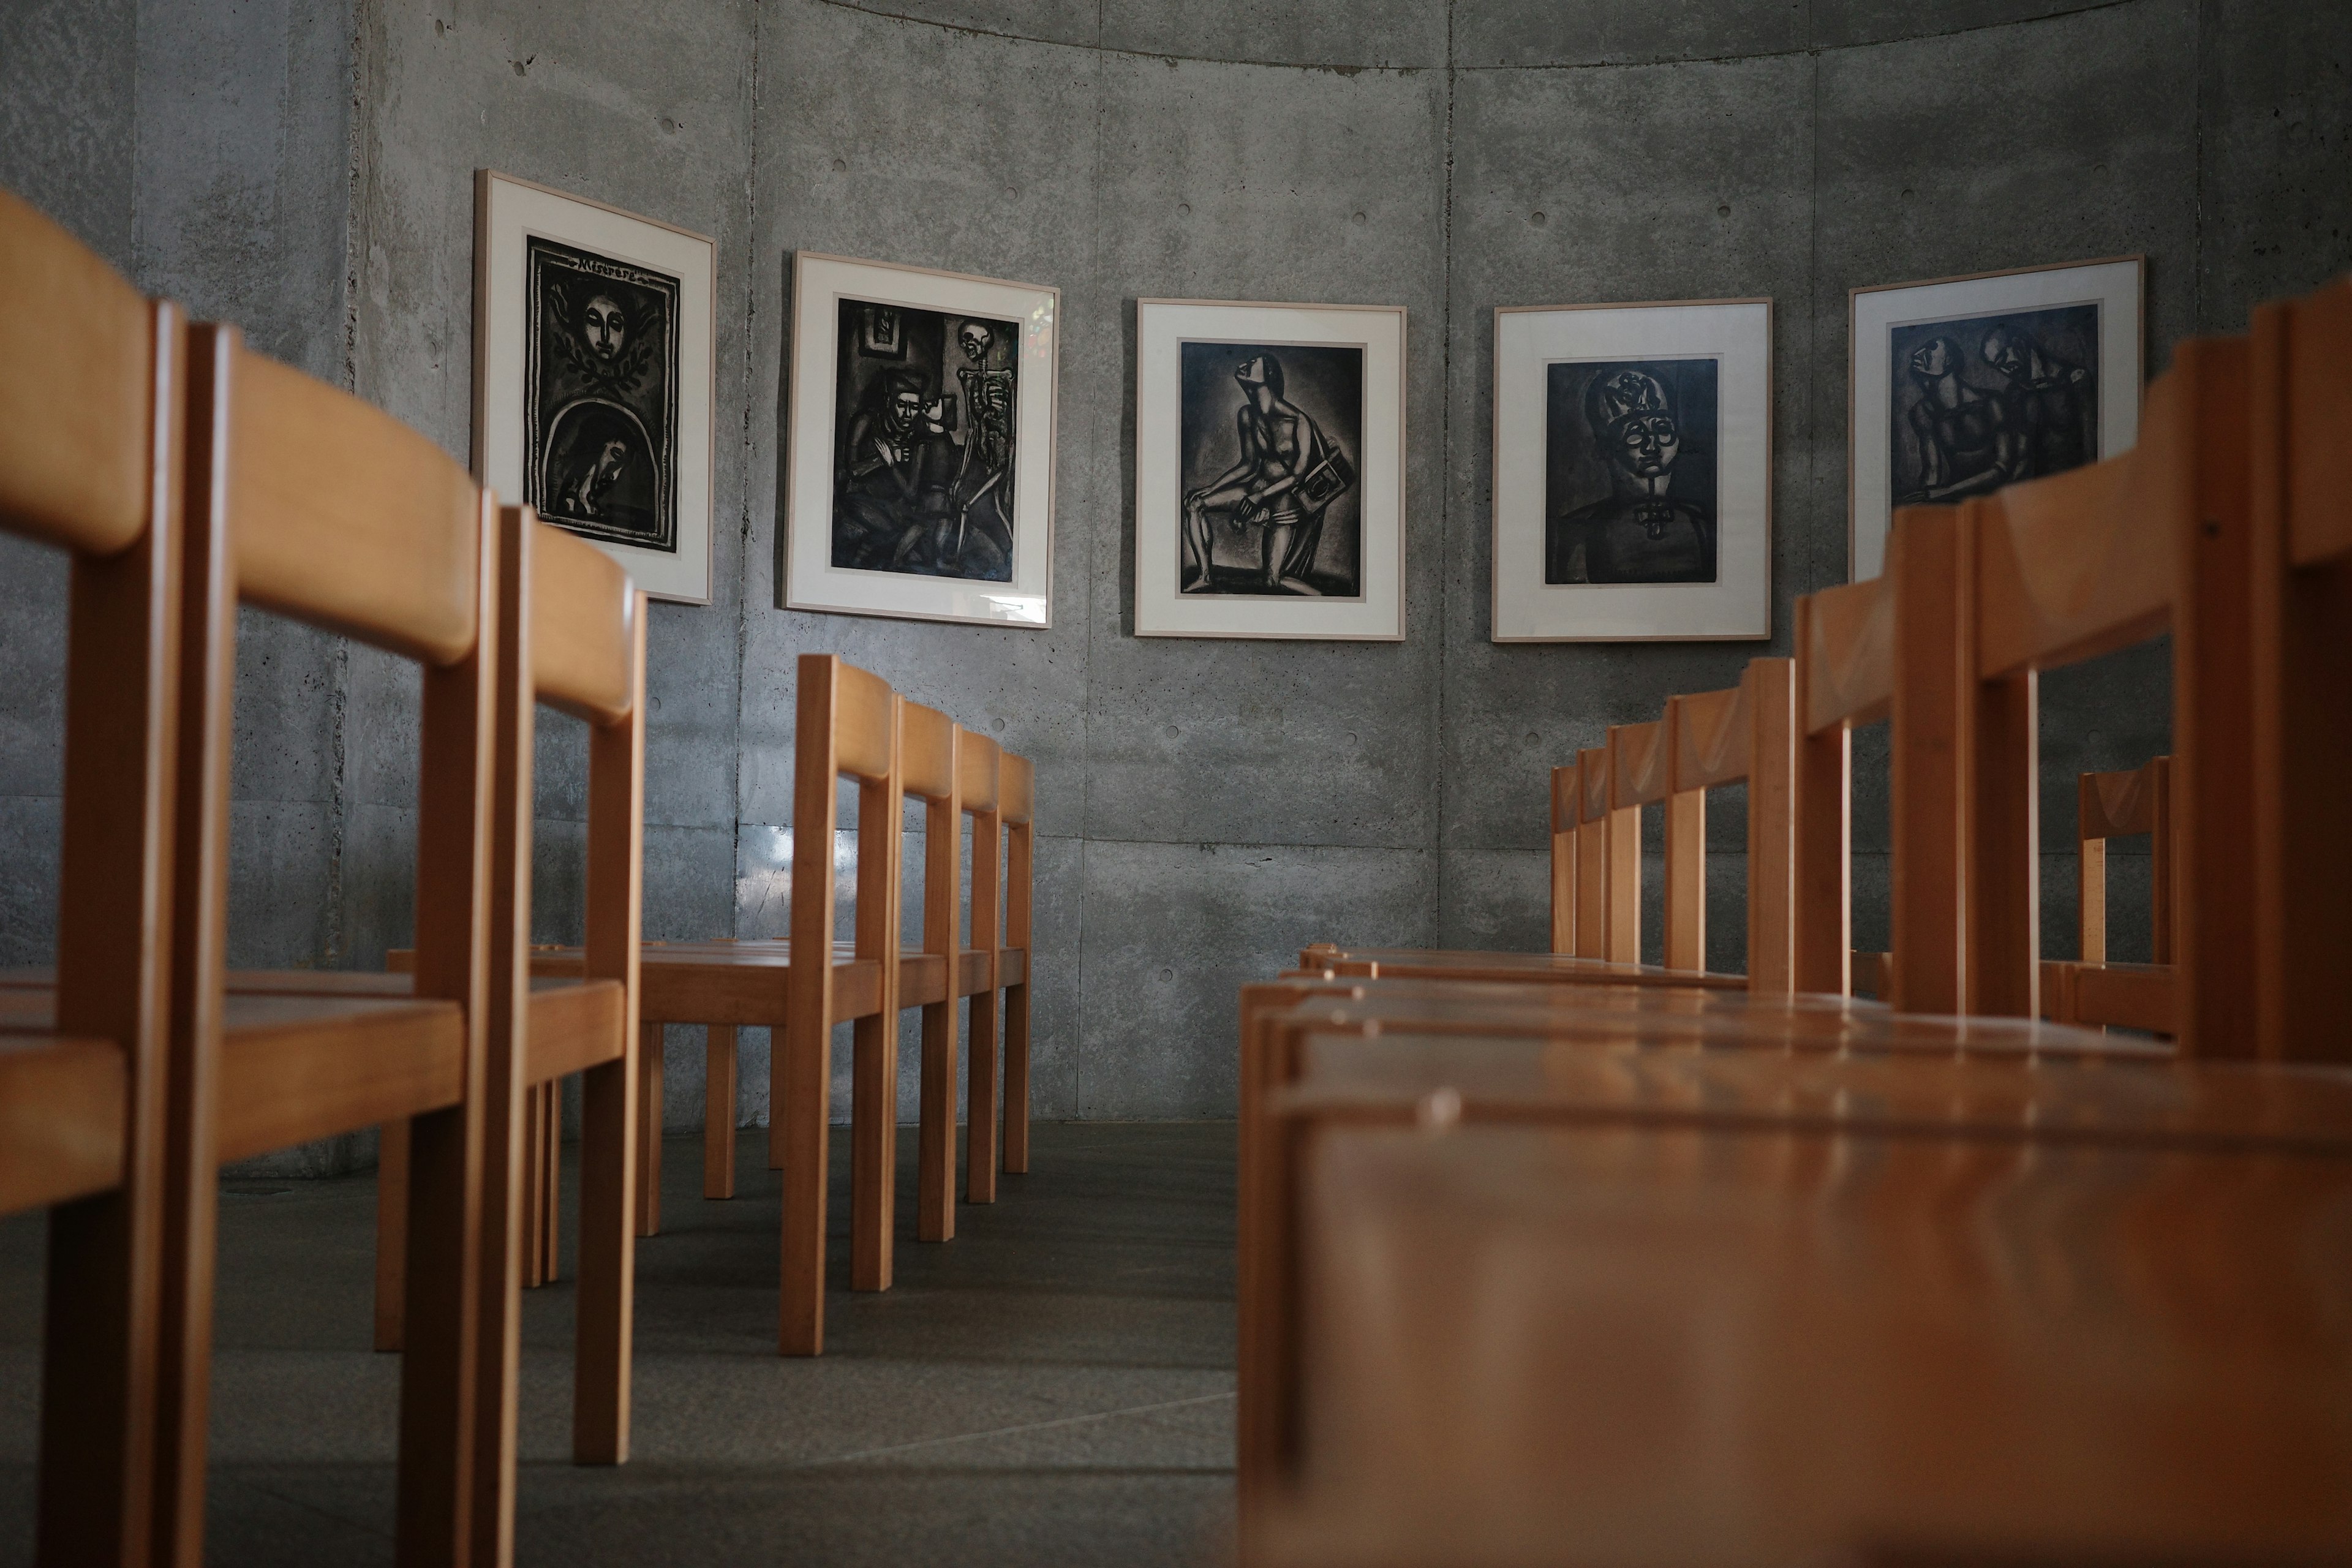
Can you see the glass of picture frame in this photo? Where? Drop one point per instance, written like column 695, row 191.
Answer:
column 1633, row 472
column 593, row 351
column 1960, row 386
column 1269, row 470
column 920, row 454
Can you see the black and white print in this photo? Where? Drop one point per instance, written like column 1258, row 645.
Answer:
column 601, row 395
column 1269, row 441
column 1630, row 467
column 1986, row 401
column 925, row 442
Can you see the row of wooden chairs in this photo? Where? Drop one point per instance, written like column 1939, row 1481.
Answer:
column 893, row 748
column 1551, row 1257
column 185, row 477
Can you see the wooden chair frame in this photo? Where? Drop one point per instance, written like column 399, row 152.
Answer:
column 91, row 461
column 1017, row 790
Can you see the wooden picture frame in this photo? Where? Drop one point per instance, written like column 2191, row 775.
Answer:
column 594, row 366
column 919, row 462
column 1594, row 541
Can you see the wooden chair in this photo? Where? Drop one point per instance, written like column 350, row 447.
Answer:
column 2043, row 574
column 1844, row 680
column 1703, row 739
column 315, row 506
column 978, row 794
column 1017, row 792
column 2295, row 557
column 1762, row 1334
column 848, row 724
column 931, row 752
column 2091, row 990
column 91, row 461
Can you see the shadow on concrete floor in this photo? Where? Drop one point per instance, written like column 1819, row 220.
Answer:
column 1054, row 1386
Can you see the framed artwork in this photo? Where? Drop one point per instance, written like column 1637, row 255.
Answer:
column 593, row 364
column 1633, row 472
column 1961, row 385
column 1269, row 470
column 919, row 460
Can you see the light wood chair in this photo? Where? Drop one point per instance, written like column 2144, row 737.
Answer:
column 2051, row 573
column 847, row 725
column 91, row 462
column 2296, row 557
column 317, row 506
column 1703, row 740
column 1528, row 1307
column 1845, row 676
column 2089, row 990
column 1017, row 796
column 977, row 794
column 931, row 752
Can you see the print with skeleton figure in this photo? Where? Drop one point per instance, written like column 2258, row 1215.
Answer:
column 925, row 442
column 601, row 386
column 1631, row 475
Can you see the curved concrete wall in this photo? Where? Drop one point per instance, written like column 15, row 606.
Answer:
column 1206, row 806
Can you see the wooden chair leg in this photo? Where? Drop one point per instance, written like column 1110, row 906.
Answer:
column 776, row 1098
column 532, row 1236
column 391, row 1232
column 934, row 1163
column 1016, row 1078
column 550, row 1217
column 600, row 1385
column 718, row 1112
column 649, row 1129
column 874, row 1151
column 442, row 1323
column 980, row 1099
column 800, row 1122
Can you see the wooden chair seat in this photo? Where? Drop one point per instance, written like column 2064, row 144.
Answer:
column 574, row 1024
column 1656, row 1078
column 1708, row 1347
column 60, row 1116
column 295, row 1068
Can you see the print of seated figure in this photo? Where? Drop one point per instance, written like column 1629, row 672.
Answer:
column 1968, row 438
column 1641, row 532
column 2046, row 398
column 1287, row 475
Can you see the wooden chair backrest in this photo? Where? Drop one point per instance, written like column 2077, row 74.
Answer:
column 320, row 508
column 847, row 725
column 587, row 658
column 2123, row 806
column 1016, row 790
column 92, row 424
column 2036, row 576
column 1017, row 803
column 1703, row 739
column 1843, row 677
column 78, row 409
column 2299, row 572
column 980, row 782
column 930, row 748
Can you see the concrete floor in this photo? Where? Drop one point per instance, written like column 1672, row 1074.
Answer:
column 1054, row 1386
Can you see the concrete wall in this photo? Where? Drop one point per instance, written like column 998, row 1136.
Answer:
column 1204, row 806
